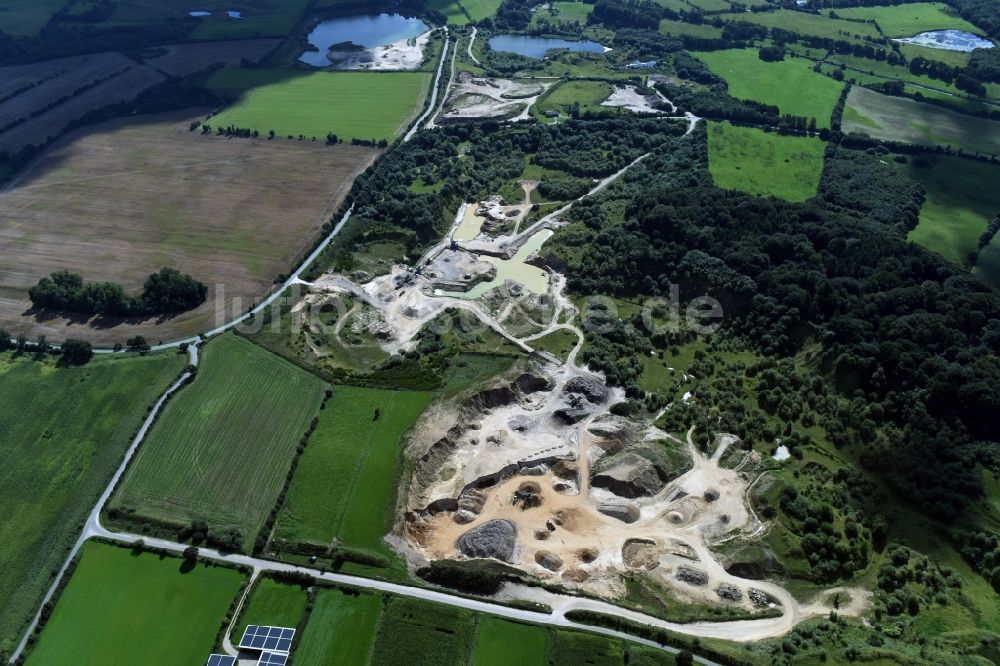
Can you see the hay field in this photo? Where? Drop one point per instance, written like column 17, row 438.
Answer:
column 128, row 197
column 909, row 19
column 791, row 85
column 119, row 608
column 184, row 59
column 221, row 449
column 105, row 78
column 908, row 121
column 363, row 105
column 764, row 163
column 63, row 432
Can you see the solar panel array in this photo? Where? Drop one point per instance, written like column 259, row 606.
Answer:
column 221, row 660
column 269, row 639
column 272, row 659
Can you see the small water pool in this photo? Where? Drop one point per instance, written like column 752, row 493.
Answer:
column 537, row 47
column 201, row 13
column 949, row 40
column 368, row 31
column 534, row 279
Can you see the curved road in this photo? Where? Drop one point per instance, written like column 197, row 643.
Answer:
column 472, row 40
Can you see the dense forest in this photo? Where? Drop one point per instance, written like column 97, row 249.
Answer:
column 913, row 339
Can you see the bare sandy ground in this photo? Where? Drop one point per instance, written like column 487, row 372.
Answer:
column 400, row 55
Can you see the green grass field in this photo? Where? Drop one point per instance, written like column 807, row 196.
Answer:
column 791, row 84
column 909, row 19
column 577, row 647
column 764, row 163
column 560, row 343
column 908, row 121
column 120, row 608
column 62, row 434
column 222, row 447
column 710, row 5
column 341, row 629
column 962, row 197
column 346, row 479
column 583, row 95
column 681, row 28
column 451, row 9
column 19, row 18
column 480, row 9
column 808, row 24
column 271, row 603
column 504, row 643
column 363, row 105
column 418, row 633
column 565, row 12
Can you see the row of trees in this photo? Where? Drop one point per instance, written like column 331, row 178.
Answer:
column 166, row 291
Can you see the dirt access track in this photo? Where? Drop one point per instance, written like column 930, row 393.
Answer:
column 126, row 198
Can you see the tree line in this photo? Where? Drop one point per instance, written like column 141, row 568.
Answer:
column 166, row 291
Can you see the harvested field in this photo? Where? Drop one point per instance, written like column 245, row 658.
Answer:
column 65, row 90
column 120, row 608
column 128, row 197
column 221, row 448
column 184, row 59
column 908, row 121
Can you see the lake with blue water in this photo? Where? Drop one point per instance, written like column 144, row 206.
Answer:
column 537, row 47
column 368, row 31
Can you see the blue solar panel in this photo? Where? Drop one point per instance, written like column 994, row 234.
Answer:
column 272, row 659
column 270, row 639
column 221, row 660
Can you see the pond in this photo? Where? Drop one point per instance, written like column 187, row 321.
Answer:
column 534, row 279
column 949, row 40
column 367, row 31
column 537, row 47
column 232, row 13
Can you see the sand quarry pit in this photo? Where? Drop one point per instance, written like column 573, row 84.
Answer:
column 475, row 98
column 535, row 472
